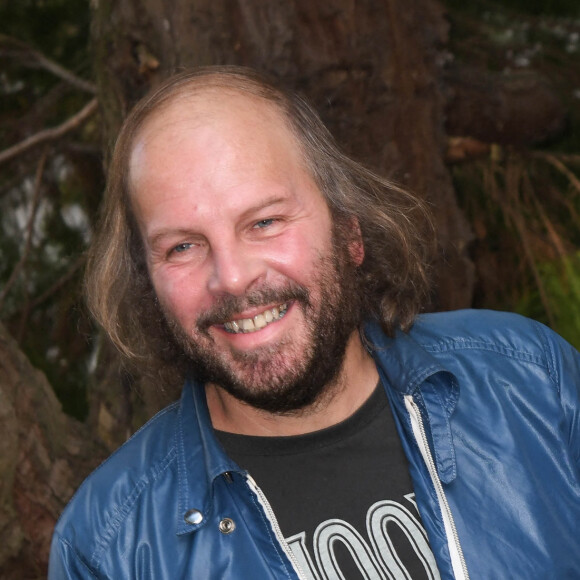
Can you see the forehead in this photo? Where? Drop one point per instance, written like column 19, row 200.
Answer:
column 217, row 147
column 224, row 114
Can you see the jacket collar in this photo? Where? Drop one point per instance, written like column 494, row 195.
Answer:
column 201, row 458
column 407, row 368
column 403, row 360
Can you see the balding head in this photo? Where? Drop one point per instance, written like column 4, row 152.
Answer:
column 393, row 274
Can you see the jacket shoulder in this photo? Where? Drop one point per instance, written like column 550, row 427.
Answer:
column 508, row 335
column 480, row 328
column 107, row 497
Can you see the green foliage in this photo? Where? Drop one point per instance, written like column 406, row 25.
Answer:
column 555, row 8
column 58, row 28
column 561, row 280
column 519, row 35
column 43, row 308
column 524, row 208
column 47, row 195
column 524, row 205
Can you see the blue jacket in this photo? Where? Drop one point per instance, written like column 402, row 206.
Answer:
column 487, row 406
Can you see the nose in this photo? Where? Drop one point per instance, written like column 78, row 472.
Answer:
column 234, row 269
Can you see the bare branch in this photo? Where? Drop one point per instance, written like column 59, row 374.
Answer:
column 513, row 208
column 45, row 63
column 50, row 134
column 555, row 238
column 77, row 264
column 557, row 162
column 563, row 157
column 29, row 230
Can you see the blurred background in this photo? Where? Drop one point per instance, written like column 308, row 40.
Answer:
column 473, row 105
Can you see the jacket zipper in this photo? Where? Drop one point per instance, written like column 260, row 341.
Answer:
column 457, row 559
column 275, row 526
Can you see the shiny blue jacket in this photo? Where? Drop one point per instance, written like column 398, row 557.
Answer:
column 487, row 406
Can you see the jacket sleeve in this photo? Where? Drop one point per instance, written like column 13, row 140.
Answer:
column 565, row 361
column 65, row 564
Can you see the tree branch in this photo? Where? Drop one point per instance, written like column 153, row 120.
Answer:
column 557, row 161
column 50, row 134
column 56, row 286
column 515, row 109
column 29, row 230
column 45, row 63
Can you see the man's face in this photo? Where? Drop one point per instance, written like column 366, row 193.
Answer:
column 239, row 246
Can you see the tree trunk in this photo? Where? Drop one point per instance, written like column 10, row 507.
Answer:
column 371, row 67
column 518, row 109
column 44, row 456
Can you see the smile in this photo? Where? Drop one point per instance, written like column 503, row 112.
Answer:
column 245, row 325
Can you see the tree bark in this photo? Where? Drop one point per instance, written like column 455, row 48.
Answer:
column 373, row 70
column 44, row 456
column 371, row 67
column 518, row 109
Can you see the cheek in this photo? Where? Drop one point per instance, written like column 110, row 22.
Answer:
column 177, row 293
column 294, row 259
column 298, row 253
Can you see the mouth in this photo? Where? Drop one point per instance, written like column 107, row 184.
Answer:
column 247, row 325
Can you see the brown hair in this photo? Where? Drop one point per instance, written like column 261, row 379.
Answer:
column 395, row 225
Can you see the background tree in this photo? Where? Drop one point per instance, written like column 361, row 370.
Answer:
column 460, row 121
column 372, row 69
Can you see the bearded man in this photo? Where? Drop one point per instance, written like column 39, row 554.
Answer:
column 325, row 429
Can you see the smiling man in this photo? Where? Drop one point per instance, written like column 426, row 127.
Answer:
column 241, row 253
column 325, row 429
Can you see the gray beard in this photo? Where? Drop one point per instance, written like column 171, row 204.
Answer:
column 265, row 382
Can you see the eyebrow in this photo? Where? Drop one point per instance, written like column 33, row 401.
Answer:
column 153, row 240
column 268, row 202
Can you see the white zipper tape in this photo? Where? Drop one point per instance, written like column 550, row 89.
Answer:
column 457, row 559
column 275, row 526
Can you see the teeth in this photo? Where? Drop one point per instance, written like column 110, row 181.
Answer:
column 259, row 321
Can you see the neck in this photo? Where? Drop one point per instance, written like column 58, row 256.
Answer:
column 355, row 383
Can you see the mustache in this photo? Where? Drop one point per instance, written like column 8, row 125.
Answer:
column 228, row 306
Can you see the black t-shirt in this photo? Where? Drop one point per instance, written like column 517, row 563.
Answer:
column 342, row 496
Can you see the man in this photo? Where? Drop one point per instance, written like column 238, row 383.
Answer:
column 322, row 432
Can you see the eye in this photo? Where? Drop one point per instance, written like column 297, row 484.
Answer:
column 182, row 248
column 264, row 223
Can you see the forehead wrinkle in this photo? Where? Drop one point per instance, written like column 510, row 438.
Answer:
column 215, row 108
column 206, row 103
column 160, row 122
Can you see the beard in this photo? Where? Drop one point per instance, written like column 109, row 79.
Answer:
column 296, row 371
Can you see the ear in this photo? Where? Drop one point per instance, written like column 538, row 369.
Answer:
column 356, row 246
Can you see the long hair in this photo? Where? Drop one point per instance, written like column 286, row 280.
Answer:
column 395, row 225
